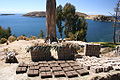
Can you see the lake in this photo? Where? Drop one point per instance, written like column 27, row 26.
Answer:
column 20, row 25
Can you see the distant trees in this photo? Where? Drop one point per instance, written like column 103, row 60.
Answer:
column 41, row 35
column 75, row 27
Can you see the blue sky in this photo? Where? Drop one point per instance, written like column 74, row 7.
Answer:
column 91, row 7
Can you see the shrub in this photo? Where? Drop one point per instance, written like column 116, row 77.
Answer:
column 3, row 40
column 27, row 39
column 11, row 39
column 33, row 37
column 71, row 36
column 5, row 33
column 21, row 38
column 41, row 35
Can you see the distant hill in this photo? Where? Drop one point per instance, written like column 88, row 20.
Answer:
column 43, row 14
column 36, row 14
column 81, row 14
column 101, row 18
column 93, row 17
column 7, row 14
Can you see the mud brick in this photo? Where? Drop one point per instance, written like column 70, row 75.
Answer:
column 74, row 73
column 59, row 68
column 23, row 65
column 45, row 65
column 110, row 67
column 41, row 65
column 83, row 72
column 56, row 74
column 97, row 69
column 43, row 74
column 21, row 70
column 40, row 62
column 36, row 64
column 56, row 69
column 54, row 65
column 49, row 74
column 64, row 65
column 77, row 67
column 36, row 72
column 18, row 70
column 36, row 67
column 73, row 64
column 67, row 69
column 32, row 73
column 60, row 62
column 52, row 62
column 70, row 61
column 106, row 69
column 59, row 74
column 44, row 62
column 46, row 75
column 70, row 74
column 42, row 69
column 24, row 69
column 32, row 67
column 45, row 69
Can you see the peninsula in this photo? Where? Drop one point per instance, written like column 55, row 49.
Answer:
column 93, row 17
column 43, row 14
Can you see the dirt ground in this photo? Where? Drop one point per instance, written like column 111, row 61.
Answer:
column 8, row 71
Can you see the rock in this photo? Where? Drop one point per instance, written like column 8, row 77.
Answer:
column 10, row 58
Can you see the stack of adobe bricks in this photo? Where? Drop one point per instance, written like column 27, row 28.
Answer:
column 92, row 50
column 66, row 51
column 39, row 53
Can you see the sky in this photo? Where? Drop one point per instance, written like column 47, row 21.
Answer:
column 91, row 7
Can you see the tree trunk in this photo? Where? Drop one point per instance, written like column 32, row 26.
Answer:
column 51, row 20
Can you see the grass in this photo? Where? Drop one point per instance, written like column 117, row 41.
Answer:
column 107, row 44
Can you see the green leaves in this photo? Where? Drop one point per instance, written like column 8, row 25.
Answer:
column 75, row 27
column 59, row 19
column 41, row 35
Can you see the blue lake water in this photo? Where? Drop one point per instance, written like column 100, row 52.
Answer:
column 97, row 31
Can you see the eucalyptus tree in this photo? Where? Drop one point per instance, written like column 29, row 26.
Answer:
column 59, row 19
column 51, row 20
